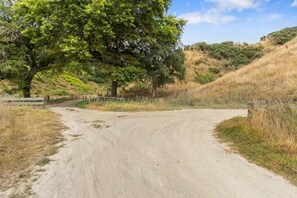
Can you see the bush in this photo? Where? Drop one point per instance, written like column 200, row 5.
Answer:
column 236, row 54
column 283, row 36
column 204, row 78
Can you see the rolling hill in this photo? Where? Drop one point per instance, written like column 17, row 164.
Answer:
column 274, row 76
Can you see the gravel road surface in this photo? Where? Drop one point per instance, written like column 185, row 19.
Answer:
column 152, row 155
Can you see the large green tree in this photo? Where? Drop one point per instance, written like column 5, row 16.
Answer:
column 38, row 35
column 136, row 27
column 125, row 36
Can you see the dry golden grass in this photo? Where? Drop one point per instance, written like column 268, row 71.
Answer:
column 131, row 106
column 205, row 62
column 260, row 147
column 272, row 76
column 276, row 122
column 26, row 137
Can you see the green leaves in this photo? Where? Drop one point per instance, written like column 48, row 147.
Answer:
column 130, row 39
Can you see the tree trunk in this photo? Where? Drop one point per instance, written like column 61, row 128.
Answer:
column 154, row 90
column 27, row 83
column 114, row 89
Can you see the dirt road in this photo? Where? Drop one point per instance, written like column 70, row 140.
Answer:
column 152, row 155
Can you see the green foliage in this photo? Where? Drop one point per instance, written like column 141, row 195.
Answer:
column 38, row 35
column 204, row 78
column 236, row 54
column 283, row 36
column 76, row 82
column 164, row 58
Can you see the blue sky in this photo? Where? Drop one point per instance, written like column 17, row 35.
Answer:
column 215, row 21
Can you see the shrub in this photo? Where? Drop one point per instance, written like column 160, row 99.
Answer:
column 204, row 78
column 236, row 54
column 283, row 36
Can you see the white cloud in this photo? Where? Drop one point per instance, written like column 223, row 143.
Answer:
column 188, row 3
column 294, row 4
column 211, row 16
column 234, row 4
column 273, row 17
column 218, row 14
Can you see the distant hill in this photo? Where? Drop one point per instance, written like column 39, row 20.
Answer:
column 273, row 76
column 208, row 62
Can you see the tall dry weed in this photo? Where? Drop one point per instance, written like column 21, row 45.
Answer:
column 276, row 121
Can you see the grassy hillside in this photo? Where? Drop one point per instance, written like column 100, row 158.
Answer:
column 207, row 62
column 60, row 85
column 272, row 76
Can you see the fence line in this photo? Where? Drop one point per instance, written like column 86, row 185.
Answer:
column 34, row 102
column 103, row 99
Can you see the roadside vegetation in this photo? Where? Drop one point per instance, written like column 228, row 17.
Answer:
column 27, row 137
column 268, row 137
column 161, row 104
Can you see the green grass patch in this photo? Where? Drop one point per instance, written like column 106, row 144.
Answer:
column 255, row 147
column 82, row 104
column 76, row 82
column 204, row 78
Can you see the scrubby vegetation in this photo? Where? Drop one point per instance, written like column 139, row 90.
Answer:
column 236, row 54
column 212, row 61
column 283, row 36
column 204, row 78
column 258, row 80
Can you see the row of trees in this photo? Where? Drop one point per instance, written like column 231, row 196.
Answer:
column 131, row 39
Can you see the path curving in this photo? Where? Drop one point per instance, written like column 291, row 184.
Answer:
column 152, row 155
